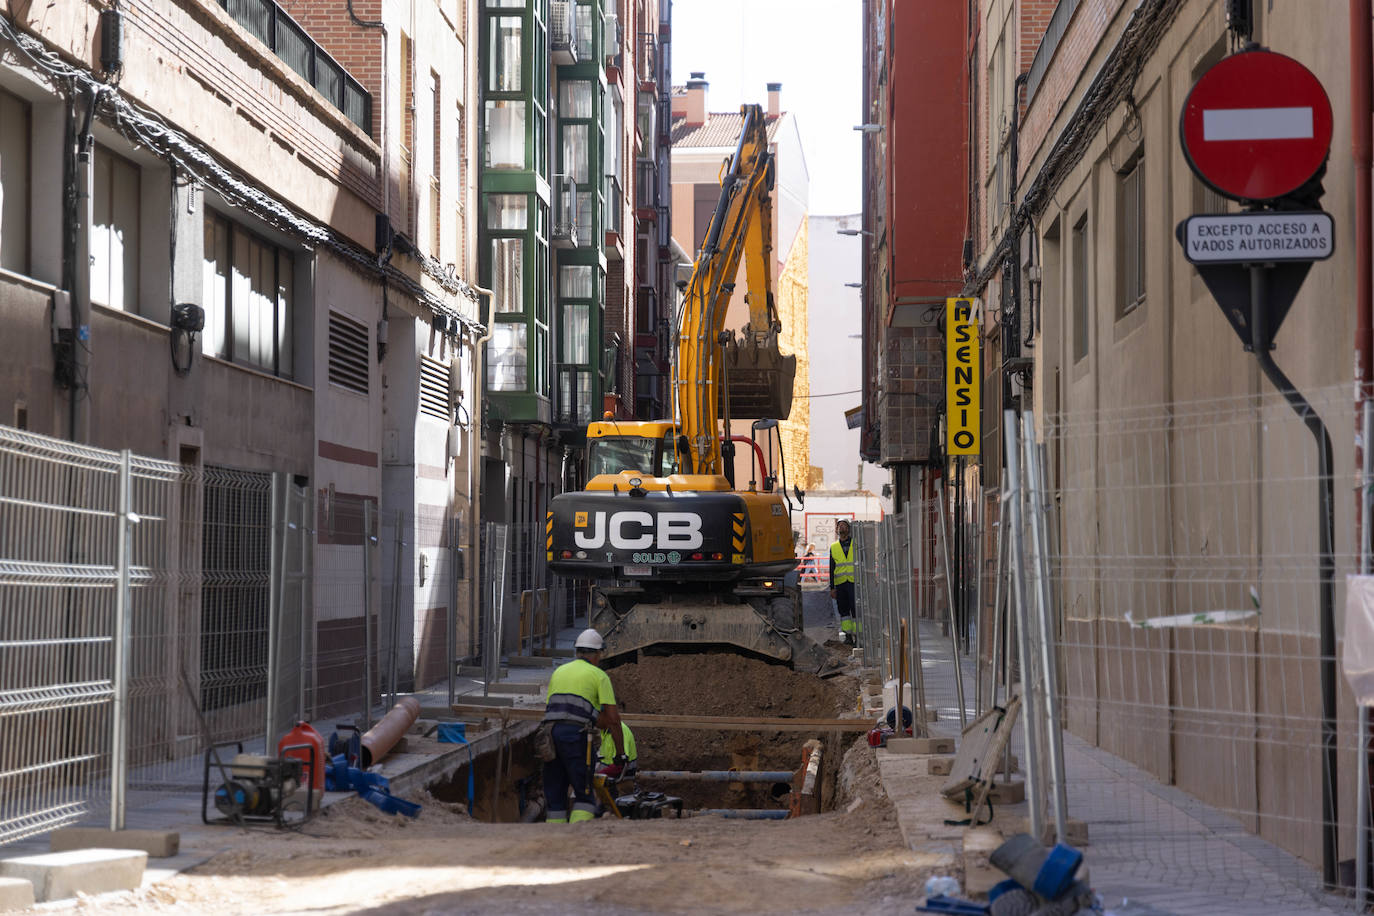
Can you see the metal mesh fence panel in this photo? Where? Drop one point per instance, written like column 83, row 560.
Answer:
column 1183, row 572
column 57, row 584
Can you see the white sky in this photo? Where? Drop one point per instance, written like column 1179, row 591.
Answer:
column 812, row 47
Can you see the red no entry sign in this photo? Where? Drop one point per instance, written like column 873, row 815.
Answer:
column 1256, row 126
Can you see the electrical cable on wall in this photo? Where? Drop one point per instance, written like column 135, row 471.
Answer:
column 148, row 130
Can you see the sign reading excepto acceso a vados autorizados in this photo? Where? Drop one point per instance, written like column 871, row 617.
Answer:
column 1241, row 238
column 961, row 377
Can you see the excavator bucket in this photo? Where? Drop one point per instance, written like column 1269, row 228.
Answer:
column 759, row 379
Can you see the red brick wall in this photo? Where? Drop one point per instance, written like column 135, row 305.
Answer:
column 357, row 49
column 1086, row 31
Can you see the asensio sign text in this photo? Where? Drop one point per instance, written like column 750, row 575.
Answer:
column 961, row 377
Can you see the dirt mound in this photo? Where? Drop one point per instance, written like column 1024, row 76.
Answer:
column 725, row 684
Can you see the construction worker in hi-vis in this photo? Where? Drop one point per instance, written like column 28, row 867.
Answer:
column 580, row 700
column 842, row 582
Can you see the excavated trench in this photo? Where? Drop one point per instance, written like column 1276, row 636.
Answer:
column 507, row 780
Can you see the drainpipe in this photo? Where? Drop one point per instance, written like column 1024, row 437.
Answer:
column 475, row 471
column 80, row 417
column 1361, row 109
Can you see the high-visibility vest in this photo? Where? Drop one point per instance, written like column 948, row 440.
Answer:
column 844, row 562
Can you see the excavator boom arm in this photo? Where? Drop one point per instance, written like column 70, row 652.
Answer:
column 741, row 227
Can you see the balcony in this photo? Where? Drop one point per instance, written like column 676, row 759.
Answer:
column 646, row 189
column 563, row 43
column 646, row 61
column 574, row 404
column 612, row 217
column 289, row 41
column 565, row 228
column 614, row 38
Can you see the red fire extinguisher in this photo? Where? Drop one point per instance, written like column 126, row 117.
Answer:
column 304, row 734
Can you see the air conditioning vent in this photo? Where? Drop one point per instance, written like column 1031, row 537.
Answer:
column 434, row 388
column 348, row 363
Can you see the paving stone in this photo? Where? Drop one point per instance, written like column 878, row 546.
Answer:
column 58, row 875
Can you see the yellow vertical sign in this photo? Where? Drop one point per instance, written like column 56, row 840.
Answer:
column 962, row 392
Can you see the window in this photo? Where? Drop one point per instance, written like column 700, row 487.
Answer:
column 114, row 231
column 508, row 274
column 249, row 298
column 15, row 182
column 508, row 211
column 505, row 134
column 576, row 152
column 1080, row 288
column 576, row 333
column 506, row 35
column 508, row 357
column 575, row 99
column 1131, row 244
column 575, row 281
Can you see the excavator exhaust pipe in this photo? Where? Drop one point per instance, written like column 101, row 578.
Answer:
column 760, row 378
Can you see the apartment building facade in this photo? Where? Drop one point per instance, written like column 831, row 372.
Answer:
column 573, row 163
column 278, row 268
column 1073, row 181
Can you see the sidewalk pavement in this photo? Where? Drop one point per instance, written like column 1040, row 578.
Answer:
column 1148, row 843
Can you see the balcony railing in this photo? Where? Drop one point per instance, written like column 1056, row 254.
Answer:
column 275, row 28
column 563, row 32
column 615, row 205
column 574, row 395
column 646, row 184
column 647, row 57
column 565, row 228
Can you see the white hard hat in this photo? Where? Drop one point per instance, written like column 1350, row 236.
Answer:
column 589, row 639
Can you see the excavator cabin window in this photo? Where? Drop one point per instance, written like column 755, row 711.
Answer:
column 613, row 454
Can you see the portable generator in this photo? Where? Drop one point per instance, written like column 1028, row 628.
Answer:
column 255, row 788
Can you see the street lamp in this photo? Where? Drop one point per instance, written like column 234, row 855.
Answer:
column 855, row 285
column 853, row 232
column 868, row 128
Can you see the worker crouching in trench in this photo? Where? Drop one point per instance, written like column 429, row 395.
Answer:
column 580, row 700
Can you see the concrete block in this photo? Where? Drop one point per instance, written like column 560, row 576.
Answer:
column 921, row 745
column 1075, row 831
column 1008, row 793
column 939, row 766
column 979, row 873
column 58, row 875
column 15, row 894
column 158, row 844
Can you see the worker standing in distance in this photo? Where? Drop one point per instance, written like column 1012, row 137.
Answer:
column 580, row 700
column 842, row 581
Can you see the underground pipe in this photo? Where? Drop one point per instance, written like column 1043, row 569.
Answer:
column 747, row 814
column 378, row 741
column 717, row 775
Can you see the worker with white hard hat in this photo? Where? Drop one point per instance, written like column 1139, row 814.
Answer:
column 580, row 700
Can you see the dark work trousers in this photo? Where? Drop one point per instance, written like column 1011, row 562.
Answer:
column 844, row 599
column 569, row 771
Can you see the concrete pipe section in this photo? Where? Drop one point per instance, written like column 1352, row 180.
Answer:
column 382, row 737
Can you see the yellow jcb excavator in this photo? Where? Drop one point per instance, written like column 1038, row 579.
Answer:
column 681, row 557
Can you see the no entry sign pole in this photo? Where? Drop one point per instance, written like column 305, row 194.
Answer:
column 1257, row 127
